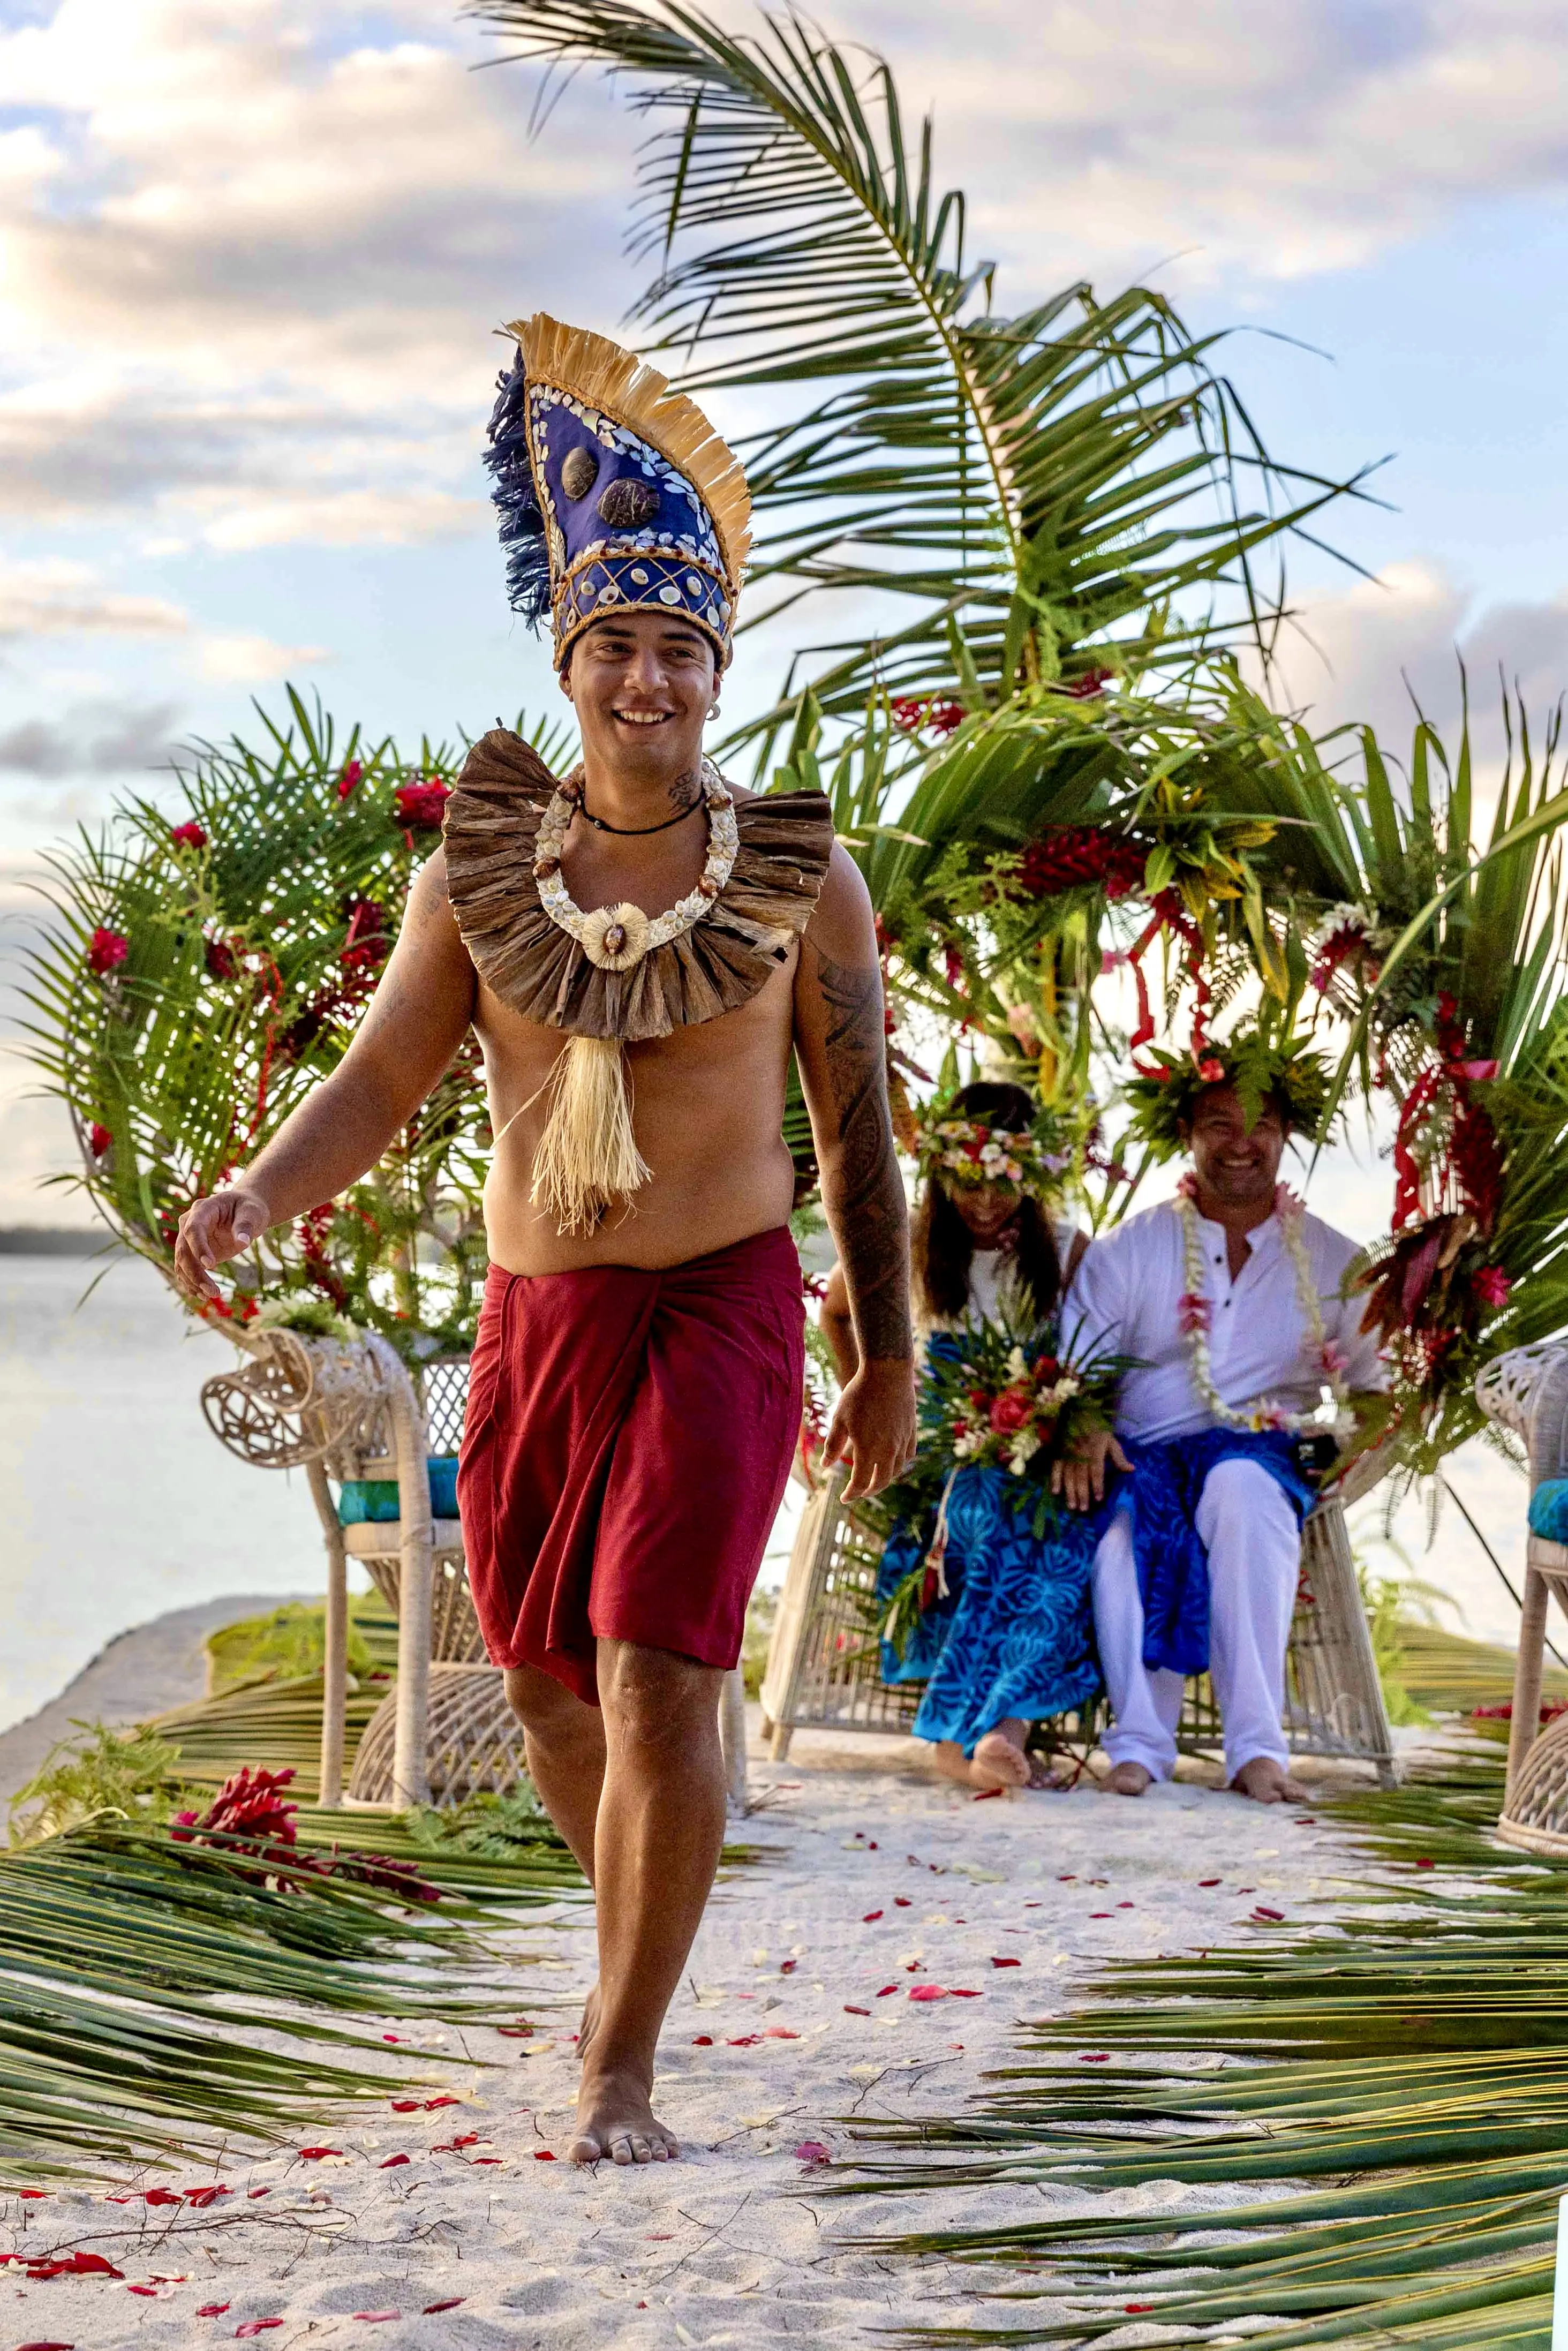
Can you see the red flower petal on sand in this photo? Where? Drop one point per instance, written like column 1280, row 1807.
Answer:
column 1210, row 1881
column 149, row 2290
column 956, row 1991
column 1099, row 2057
column 255, row 2327
column 1263, row 1911
column 445, row 2099
column 986, row 1795
column 1102, row 1914
column 812, row 2151
column 780, row 2032
column 315, row 2154
column 543, row 2155
column 391, row 2162
column 703, row 2040
column 1133, row 2306
column 902, row 1902
column 1421, row 1862
column 521, row 2030
column 744, row 2041
column 855, row 2012
column 885, row 1989
column 76, row 2264
column 159, row 2196
column 253, row 2193
column 1006, row 1963
column 213, row 2310
column 870, row 1918
column 375, row 2318
column 927, row 1991
column 452, row 2303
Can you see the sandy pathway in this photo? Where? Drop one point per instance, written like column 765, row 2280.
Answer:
column 811, row 1998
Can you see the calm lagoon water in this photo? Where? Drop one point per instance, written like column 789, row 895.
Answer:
column 116, row 1501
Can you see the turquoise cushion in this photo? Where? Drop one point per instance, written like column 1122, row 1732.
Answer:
column 1549, row 1511
column 373, row 1501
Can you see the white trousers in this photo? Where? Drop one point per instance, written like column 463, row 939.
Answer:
column 1254, row 1547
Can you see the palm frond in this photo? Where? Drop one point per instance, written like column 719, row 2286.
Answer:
column 1061, row 479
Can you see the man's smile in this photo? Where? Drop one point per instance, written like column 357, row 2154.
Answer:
column 642, row 717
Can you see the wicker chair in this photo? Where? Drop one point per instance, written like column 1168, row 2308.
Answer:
column 352, row 1411
column 824, row 1666
column 1527, row 1391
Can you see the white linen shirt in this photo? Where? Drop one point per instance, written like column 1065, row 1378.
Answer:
column 1124, row 1298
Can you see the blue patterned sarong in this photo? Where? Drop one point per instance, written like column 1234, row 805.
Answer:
column 1161, row 1498
column 1015, row 1636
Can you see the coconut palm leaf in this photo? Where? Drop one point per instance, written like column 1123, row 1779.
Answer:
column 1413, row 2064
column 1057, row 479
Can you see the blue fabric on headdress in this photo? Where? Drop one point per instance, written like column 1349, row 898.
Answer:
column 595, row 519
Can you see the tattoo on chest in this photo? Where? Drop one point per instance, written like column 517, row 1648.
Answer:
column 870, row 1210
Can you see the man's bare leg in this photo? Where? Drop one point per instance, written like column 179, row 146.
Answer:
column 660, row 1833
column 564, row 1741
column 1268, row 1782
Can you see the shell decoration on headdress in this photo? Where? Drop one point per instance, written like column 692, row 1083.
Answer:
column 613, row 490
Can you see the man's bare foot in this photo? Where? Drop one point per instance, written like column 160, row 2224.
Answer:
column 590, row 2025
column 1128, row 1780
column 1268, row 1782
column 615, row 2119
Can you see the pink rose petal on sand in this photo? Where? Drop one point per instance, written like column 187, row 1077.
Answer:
column 927, row 1991
column 812, row 2151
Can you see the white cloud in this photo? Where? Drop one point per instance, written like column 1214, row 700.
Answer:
column 1375, row 651
column 93, row 738
column 249, row 661
column 57, row 597
column 350, row 518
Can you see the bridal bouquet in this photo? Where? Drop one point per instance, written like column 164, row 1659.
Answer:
column 999, row 1398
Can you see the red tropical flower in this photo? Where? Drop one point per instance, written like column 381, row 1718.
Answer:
column 220, row 960
column 422, row 804
column 1009, row 1412
column 101, row 1137
column 106, row 950
column 1493, row 1286
column 1087, row 686
column 353, row 773
column 188, row 836
column 1078, row 857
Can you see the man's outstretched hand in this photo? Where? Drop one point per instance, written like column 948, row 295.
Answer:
column 218, row 1228
column 874, row 1427
column 1083, row 1480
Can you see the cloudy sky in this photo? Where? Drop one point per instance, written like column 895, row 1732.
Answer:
column 252, row 252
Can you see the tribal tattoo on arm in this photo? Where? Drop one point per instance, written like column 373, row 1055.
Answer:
column 864, row 1189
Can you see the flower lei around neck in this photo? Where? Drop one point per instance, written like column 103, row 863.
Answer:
column 1196, row 1313
column 616, row 937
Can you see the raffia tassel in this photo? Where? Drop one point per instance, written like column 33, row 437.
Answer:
column 587, row 1153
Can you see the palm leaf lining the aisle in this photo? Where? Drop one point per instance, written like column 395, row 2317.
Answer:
column 1417, row 2059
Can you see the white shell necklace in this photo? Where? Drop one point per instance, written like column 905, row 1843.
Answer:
column 614, row 939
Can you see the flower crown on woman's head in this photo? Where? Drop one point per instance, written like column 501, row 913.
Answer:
column 1034, row 1162
column 1165, row 1092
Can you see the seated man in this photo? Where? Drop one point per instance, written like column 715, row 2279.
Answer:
column 1229, row 1298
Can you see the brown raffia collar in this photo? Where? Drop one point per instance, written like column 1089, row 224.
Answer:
column 542, row 973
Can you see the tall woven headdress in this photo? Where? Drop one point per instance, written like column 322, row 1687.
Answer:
column 613, row 490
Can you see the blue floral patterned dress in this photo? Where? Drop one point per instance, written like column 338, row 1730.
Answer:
column 1015, row 1636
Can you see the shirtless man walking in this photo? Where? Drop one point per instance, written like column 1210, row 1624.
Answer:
column 638, row 950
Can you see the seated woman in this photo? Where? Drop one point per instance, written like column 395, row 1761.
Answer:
column 1007, row 1636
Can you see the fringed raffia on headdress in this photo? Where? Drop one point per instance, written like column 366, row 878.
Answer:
column 622, row 386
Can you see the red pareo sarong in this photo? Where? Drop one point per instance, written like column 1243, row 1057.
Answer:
column 628, row 1440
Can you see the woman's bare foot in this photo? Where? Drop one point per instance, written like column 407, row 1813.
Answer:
column 999, row 1761
column 615, row 2119
column 1128, row 1780
column 590, row 2025
column 1268, row 1782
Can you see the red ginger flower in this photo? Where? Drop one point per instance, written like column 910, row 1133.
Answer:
column 105, row 950
column 917, row 713
column 422, row 804
column 99, row 1136
column 188, row 836
column 1077, row 857
column 249, row 1805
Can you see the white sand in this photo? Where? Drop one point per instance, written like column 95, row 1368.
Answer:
column 731, row 2246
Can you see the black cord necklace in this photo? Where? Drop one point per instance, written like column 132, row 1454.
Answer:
column 636, row 831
